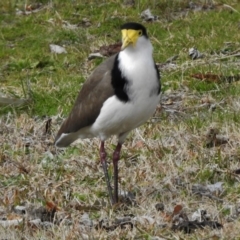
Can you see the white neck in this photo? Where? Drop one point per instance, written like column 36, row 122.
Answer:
column 143, row 48
column 137, row 65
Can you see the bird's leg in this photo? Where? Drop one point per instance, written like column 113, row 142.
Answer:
column 116, row 157
column 103, row 157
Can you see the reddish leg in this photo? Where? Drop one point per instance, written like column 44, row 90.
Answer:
column 116, row 157
column 103, row 157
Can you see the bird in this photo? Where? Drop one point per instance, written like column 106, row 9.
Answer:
column 121, row 94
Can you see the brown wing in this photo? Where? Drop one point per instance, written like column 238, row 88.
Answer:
column 90, row 99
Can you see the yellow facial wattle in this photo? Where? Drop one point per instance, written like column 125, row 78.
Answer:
column 129, row 37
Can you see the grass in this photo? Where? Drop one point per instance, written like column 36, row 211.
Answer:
column 161, row 161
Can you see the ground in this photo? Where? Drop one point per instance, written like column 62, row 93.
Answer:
column 179, row 172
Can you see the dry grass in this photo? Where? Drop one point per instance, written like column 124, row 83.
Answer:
column 161, row 162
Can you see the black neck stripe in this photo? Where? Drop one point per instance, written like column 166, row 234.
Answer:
column 119, row 82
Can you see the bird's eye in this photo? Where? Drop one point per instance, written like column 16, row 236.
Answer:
column 140, row 33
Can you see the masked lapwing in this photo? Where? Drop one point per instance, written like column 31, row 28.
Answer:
column 121, row 94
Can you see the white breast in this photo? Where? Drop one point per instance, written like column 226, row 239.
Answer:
column 117, row 117
column 138, row 67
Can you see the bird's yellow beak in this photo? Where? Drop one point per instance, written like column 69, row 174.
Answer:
column 129, row 37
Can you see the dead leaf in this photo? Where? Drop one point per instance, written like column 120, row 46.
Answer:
column 139, row 144
column 52, row 206
column 33, row 6
column 209, row 77
column 111, row 49
column 177, row 209
column 48, row 127
column 22, row 169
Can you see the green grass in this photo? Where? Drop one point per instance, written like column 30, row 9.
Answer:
column 25, row 53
